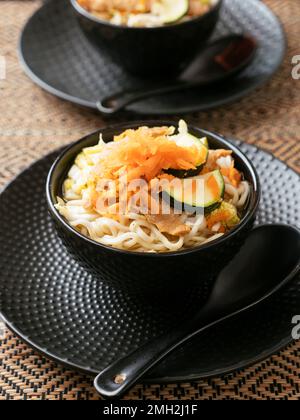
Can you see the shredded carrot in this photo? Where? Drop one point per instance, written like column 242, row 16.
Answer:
column 154, row 132
column 146, row 153
column 168, row 177
column 232, row 174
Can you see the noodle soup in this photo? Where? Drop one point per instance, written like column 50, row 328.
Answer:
column 147, row 13
column 154, row 190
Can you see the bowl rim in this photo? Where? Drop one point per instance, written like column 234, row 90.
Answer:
column 250, row 214
column 85, row 13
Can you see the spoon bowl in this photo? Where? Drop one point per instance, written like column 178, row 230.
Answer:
column 269, row 259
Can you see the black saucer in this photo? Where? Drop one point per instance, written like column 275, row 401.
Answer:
column 56, row 55
column 48, row 300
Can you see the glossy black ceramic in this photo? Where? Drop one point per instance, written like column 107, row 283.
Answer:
column 160, row 275
column 150, row 52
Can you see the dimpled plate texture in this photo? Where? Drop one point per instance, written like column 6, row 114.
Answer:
column 57, row 56
column 55, row 306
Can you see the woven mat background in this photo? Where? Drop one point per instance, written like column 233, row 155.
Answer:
column 32, row 123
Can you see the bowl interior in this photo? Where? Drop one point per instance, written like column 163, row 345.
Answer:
column 64, row 162
column 84, row 12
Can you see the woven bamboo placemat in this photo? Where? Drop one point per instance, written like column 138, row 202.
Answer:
column 32, row 123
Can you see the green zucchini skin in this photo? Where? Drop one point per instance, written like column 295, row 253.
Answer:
column 182, row 206
column 184, row 138
column 178, row 173
column 213, row 207
column 185, row 174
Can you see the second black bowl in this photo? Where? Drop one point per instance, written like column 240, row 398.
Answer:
column 146, row 274
column 150, row 52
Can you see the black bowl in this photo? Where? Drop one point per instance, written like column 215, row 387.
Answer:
column 150, row 52
column 162, row 275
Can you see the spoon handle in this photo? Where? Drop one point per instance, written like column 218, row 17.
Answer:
column 115, row 103
column 115, row 380
column 123, row 374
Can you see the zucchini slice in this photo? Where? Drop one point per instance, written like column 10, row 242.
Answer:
column 185, row 139
column 171, row 11
column 189, row 195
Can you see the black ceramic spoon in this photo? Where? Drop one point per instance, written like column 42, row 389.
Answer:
column 218, row 61
column 269, row 258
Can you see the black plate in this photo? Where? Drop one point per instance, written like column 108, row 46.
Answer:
column 48, row 300
column 56, row 55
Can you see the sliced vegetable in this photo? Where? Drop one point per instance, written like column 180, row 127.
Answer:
column 186, row 140
column 202, row 192
column 81, row 161
column 93, row 150
column 91, row 154
column 171, row 11
column 146, row 153
column 226, row 215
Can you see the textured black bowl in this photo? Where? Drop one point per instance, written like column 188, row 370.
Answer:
column 160, row 275
column 149, row 52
